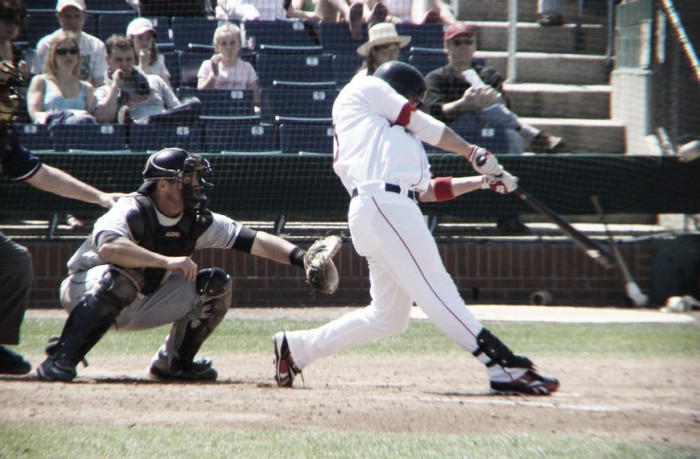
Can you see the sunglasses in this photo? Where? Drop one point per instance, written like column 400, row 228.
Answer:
column 67, row 51
column 462, row 41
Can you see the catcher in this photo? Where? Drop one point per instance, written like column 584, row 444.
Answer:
column 135, row 271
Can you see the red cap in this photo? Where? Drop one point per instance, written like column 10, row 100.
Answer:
column 458, row 29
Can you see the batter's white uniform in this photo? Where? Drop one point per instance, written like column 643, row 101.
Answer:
column 172, row 301
column 378, row 142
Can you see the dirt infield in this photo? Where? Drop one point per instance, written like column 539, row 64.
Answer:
column 650, row 400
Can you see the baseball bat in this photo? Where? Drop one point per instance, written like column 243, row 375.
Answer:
column 634, row 293
column 597, row 252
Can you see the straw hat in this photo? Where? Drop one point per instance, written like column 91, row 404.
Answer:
column 381, row 34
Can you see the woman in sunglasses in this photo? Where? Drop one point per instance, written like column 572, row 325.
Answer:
column 58, row 96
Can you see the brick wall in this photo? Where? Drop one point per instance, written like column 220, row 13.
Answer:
column 499, row 272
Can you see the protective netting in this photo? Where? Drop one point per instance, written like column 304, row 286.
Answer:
column 613, row 80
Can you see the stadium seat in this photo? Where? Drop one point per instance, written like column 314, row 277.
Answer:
column 110, row 24
column 41, row 6
column 422, row 35
column 40, row 24
column 144, row 137
column 34, row 136
column 493, row 139
column 335, row 38
column 426, row 63
column 232, row 136
column 279, row 104
column 198, row 31
column 221, row 102
column 345, row 66
column 306, row 138
column 173, row 66
column 305, row 68
column 188, row 67
column 281, row 33
column 102, row 7
column 89, row 137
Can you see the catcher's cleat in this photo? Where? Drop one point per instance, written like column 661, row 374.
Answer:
column 11, row 363
column 529, row 383
column 198, row 370
column 285, row 369
column 52, row 370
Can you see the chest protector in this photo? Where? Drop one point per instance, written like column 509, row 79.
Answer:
column 172, row 241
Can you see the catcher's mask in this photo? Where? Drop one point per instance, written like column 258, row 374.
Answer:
column 404, row 78
column 190, row 170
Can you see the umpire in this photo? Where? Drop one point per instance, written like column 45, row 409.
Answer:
column 23, row 167
column 135, row 271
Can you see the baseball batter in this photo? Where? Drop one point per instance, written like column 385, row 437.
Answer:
column 383, row 165
column 135, row 270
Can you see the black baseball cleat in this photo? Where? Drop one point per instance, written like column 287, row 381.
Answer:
column 285, row 369
column 11, row 363
column 52, row 370
column 198, row 370
column 529, row 383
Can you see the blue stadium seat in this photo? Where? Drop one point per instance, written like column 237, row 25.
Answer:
column 173, row 65
column 221, row 102
column 426, row 63
column 422, row 35
column 188, row 67
column 144, row 137
column 493, row 139
column 90, row 137
column 335, row 38
column 41, row 6
column 305, row 68
column 199, row 31
column 232, row 136
column 40, row 24
column 306, row 138
column 280, row 104
column 345, row 66
column 102, row 7
column 281, row 33
column 111, row 24
column 34, row 136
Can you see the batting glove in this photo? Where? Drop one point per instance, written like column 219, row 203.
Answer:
column 502, row 184
column 484, row 162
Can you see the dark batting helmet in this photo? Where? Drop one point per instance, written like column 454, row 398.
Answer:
column 190, row 170
column 404, row 78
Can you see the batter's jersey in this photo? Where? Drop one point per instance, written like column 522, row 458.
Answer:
column 378, row 136
column 222, row 233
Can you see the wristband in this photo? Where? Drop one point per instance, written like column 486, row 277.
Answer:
column 296, row 257
column 442, row 187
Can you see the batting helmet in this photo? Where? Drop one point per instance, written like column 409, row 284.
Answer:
column 190, row 170
column 404, row 78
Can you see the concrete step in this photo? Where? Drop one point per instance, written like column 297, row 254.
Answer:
column 559, row 101
column 551, row 68
column 586, row 39
column 584, row 136
column 497, row 10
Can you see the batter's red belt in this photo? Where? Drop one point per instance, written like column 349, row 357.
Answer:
column 392, row 188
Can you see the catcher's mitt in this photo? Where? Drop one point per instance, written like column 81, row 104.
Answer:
column 10, row 98
column 321, row 272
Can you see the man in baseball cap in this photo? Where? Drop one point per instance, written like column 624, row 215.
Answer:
column 71, row 15
column 458, row 29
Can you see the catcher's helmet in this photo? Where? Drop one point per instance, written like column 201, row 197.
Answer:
column 190, row 170
column 404, row 78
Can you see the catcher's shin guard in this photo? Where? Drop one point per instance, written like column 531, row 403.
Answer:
column 88, row 322
column 187, row 335
column 498, row 352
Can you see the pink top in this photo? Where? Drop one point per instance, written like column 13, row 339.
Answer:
column 240, row 76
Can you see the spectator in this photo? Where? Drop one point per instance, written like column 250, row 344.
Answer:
column 452, row 99
column 148, row 60
column 265, row 10
column 71, row 17
column 57, row 96
column 180, row 8
column 225, row 69
column 550, row 12
column 12, row 14
column 354, row 13
column 128, row 94
column 383, row 45
column 416, row 11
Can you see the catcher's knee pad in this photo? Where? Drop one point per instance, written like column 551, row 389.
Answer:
column 118, row 287
column 498, row 352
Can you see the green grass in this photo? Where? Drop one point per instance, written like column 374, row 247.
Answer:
column 90, row 442
column 542, row 339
